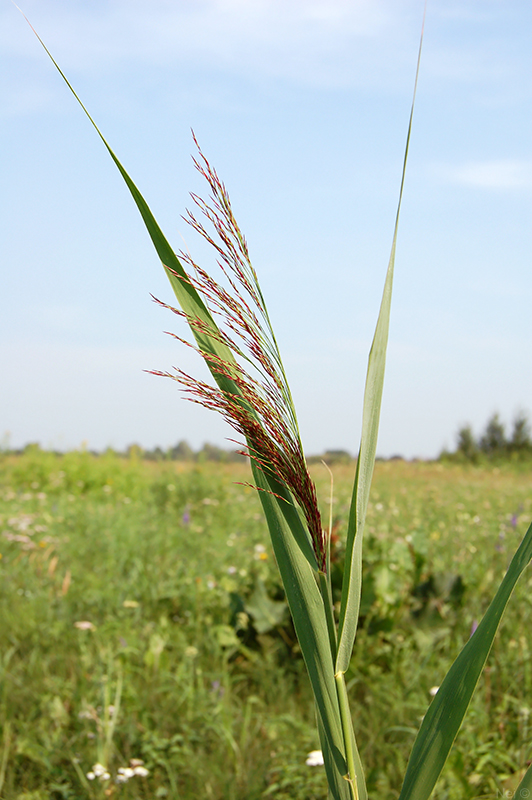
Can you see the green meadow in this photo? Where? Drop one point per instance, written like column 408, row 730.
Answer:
column 144, row 628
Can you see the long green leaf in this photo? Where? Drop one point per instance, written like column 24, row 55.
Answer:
column 306, row 606
column 290, row 540
column 352, row 582
column 446, row 712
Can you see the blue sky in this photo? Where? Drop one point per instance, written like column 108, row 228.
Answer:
column 303, row 109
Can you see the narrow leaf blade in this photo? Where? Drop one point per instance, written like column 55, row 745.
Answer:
column 352, row 582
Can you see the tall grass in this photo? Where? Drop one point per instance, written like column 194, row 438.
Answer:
column 232, row 332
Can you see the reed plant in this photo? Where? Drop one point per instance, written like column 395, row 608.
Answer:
column 232, row 332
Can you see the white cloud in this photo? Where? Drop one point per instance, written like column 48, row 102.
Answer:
column 497, row 174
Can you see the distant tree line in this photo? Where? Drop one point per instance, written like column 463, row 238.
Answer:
column 182, row 451
column 493, row 443
column 209, row 452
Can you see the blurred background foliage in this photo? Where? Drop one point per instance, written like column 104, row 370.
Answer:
column 143, row 618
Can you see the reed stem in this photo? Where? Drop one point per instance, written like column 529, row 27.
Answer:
column 347, row 730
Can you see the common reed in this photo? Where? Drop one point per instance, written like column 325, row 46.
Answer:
column 251, row 391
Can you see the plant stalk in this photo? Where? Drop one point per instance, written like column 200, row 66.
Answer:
column 347, row 729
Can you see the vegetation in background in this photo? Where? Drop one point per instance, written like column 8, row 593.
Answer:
column 187, row 645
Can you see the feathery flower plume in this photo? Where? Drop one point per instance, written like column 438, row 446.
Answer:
column 261, row 407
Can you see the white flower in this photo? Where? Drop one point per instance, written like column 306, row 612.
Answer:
column 314, row 759
column 142, row 771
column 84, row 625
column 136, row 762
column 124, row 774
column 98, row 771
column 433, row 691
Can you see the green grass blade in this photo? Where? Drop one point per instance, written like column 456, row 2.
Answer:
column 444, row 717
column 352, row 582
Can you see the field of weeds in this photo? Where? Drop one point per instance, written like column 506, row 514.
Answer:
column 144, row 629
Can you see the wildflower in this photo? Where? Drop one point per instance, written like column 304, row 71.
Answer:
column 314, row 759
column 433, row 691
column 124, row 774
column 98, row 771
column 136, row 767
column 260, row 553
column 85, row 625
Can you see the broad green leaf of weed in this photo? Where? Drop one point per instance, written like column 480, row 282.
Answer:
column 267, row 613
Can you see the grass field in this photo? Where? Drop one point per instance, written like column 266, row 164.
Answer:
column 143, row 618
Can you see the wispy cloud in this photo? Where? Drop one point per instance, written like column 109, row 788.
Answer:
column 500, row 174
column 317, row 41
